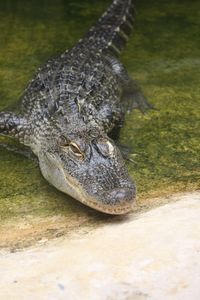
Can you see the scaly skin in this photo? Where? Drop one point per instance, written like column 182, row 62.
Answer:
column 69, row 111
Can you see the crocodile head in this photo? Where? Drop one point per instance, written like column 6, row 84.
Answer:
column 88, row 166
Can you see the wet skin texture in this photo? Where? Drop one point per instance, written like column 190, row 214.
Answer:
column 70, row 109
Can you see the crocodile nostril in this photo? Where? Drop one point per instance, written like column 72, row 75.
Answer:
column 120, row 196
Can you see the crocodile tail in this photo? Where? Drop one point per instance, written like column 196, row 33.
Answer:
column 112, row 30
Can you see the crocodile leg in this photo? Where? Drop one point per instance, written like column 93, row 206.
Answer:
column 133, row 97
column 13, row 126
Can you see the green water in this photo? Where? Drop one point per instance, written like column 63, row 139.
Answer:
column 163, row 55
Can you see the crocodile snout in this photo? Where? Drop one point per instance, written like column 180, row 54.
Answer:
column 118, row 200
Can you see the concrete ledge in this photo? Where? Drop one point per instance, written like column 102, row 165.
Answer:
column 155, row 255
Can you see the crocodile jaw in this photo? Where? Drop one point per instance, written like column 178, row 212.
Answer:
column 55, row 175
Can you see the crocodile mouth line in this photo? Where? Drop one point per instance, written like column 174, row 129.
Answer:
column 109, row 209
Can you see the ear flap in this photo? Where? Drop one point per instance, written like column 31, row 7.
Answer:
column 12, row 125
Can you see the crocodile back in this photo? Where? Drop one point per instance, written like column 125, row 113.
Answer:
column 112, row 30
column 82, row 79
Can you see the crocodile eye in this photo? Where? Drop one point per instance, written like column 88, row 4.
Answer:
column 110, row 148
column 67, row 145
column 105, row 147
column 76, row 150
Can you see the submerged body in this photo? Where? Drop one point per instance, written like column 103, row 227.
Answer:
column 70, row 109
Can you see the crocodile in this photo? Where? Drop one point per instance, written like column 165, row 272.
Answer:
column 71, row 109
